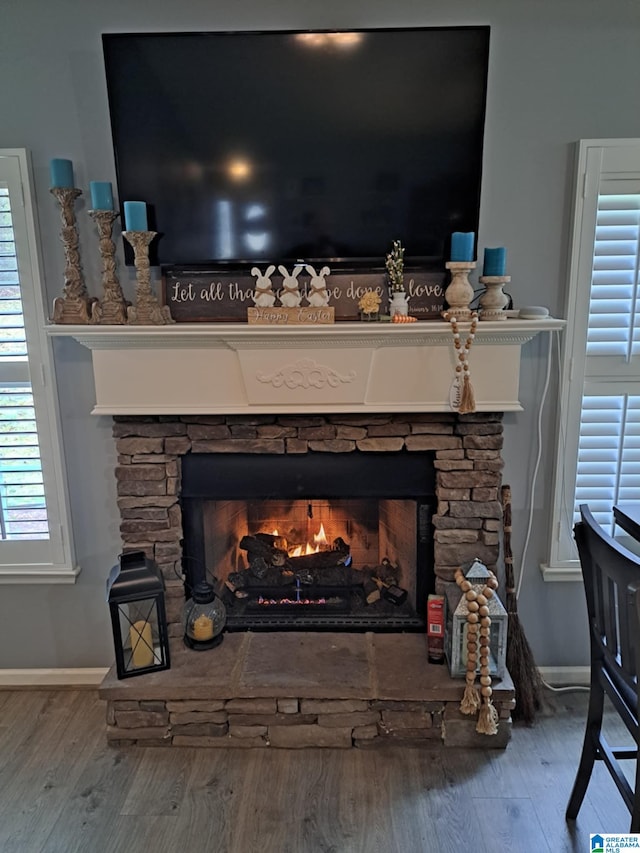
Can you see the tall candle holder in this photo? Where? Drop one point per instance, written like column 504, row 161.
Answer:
column 459, row 292
column 74, row 306
column 146, row 310
column 493, row 301
column 112, row 308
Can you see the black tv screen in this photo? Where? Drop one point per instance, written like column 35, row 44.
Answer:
column 279, row 146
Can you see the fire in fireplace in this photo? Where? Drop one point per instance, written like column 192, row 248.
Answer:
column 311, row 542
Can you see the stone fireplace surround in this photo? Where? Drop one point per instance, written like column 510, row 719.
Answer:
column 371, row 387
column 146, row 710
column 467, row 459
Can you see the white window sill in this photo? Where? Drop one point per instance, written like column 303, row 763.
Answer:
column 41, row 573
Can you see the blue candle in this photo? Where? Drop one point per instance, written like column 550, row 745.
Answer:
column 135, row 215
column 101, row 195
column 61, row 173
column 495, row 261
column 462, row 245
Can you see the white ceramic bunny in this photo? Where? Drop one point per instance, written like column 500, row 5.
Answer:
column 318, row 293
column 290, row 295
column 263, row 296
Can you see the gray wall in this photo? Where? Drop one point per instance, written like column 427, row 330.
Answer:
column 559, row 72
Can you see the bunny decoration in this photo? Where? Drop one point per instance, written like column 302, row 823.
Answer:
column 318, row 293
column 290, row 296
column 263, row 296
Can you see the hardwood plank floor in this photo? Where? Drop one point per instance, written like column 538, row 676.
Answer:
column 63, row 790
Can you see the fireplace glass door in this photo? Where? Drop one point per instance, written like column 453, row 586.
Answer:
column 312, row 542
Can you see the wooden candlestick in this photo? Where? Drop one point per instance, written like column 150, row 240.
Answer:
column 459, row 293
column 112, row 309
column 146, row 310
column 493, row 301
column 74, row 306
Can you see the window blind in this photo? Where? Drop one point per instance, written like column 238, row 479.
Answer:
column 608, row 454
column 608, row 469
column 23, row 513
column 614, row 328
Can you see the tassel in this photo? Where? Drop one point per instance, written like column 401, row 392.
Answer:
column 487, row 719
column 470, row 700
column 467, row 398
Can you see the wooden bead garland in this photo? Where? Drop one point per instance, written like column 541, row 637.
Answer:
column 467, row 398
column 478, row 650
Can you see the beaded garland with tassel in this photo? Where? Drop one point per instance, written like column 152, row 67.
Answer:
column 467, row 402
column 478, row 649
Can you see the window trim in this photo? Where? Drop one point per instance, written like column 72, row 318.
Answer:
column 53, row 560
column 594, row 158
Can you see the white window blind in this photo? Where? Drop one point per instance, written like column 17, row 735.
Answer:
column 598, row 452
column 608, row 455
column 609, row 446
column 35, row 530
column 23, row 512
column 613, row 306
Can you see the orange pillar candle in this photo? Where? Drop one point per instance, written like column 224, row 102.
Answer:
column 141, row 644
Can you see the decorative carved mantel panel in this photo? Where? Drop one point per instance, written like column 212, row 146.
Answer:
column 346, row 367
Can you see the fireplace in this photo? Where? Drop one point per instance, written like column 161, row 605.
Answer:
column 411, row 496
column 366, row 389
column 404, row 499
column 316, row 541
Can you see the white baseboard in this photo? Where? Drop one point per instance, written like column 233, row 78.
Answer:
column 45, row 678
column 565, row 676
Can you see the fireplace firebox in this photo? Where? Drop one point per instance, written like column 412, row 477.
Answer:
column 339, row 542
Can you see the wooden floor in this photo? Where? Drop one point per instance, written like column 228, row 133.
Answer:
column 62, row 790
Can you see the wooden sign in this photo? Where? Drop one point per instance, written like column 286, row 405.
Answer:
column 290, row 316
column 219, row 295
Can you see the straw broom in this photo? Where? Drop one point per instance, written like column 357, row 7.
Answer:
column 520, row 662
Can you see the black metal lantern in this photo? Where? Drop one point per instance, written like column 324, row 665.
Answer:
column 135, row 591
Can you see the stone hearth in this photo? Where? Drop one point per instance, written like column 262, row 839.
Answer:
column 294, row 690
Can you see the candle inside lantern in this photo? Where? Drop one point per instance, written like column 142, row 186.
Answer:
column 135, row 215
column 495, row 261
column 202, row 628
column 61, row 173
column 141, row 644
column 101, row 195
column 462, row 245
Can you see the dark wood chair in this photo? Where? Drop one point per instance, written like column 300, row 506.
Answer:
column 611, row 582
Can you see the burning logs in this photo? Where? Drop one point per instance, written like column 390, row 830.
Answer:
column 262, row 545
column 265, row 549
column 321, row 560
column 271, row 566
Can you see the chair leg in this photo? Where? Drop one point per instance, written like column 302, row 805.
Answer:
column 589, row 750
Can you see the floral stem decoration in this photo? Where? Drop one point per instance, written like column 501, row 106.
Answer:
column 395, row 267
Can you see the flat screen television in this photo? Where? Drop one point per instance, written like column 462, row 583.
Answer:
column 279, row 146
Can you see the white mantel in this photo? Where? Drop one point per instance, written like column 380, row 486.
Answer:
column 347, row 367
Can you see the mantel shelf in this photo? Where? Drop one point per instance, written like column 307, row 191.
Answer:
column 240, row 335
column 233, row 368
